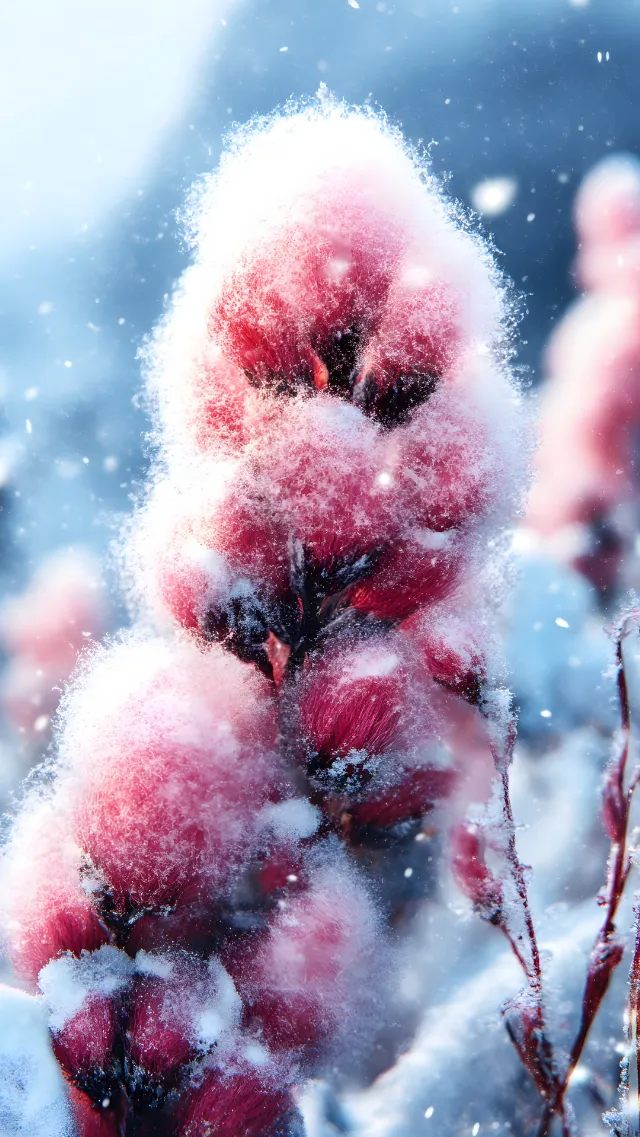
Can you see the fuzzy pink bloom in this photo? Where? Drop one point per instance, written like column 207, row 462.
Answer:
column 84, row 1045
column 413, row 792
column 453, row 649
column 313, row 978
column 468, row 861
column 181, row 758
column 593, row 361
column 367, row 721
column 355, row 700
column 607, row 220
column 235, row 1106
column 421, row 569
column 44, row 908
column 179, row 1007
column 297, row 310
column 443, row 464
column 590, row 404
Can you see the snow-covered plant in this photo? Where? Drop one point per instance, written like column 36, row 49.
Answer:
column 585, row 500
column 314, row 567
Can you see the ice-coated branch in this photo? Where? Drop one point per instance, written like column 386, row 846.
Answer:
column 607, row 950
column 503, row 900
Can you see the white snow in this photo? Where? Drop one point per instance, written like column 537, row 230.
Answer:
column 33, row 1100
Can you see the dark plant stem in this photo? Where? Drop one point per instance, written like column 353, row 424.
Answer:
column 534, row 1048
column 607, row 951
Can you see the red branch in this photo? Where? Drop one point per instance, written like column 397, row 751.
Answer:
column 607, row 951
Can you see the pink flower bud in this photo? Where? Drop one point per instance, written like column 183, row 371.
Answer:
column 353, row 709
column 158, row 1041
column 237, row 1105
column 412, row 573
column 474, row 878
column 450, row 650
column 180, row 1006
column 416, row 342
column 213, row 556
column 414, row 792
column 84, row 1047
column 182, row 758
column 305, row 304
column 443, row 464
column 615, row 807
column 44, row 909
column 311, row 980
column 47, row 621
column 607, row 205
column 321, row 470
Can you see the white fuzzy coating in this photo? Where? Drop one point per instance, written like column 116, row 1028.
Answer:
column 271, row 174
column 67, row 983
column 345, row 176
column 291, row 820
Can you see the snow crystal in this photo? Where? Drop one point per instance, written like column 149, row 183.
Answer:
column 494, row 196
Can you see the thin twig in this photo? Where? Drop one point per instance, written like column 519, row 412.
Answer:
column 606, row 952
column 536, row 1053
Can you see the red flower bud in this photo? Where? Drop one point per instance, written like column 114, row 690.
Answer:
column 311, row 976
column 237, row 1105
column 84, row 1046
column 182, row 759
column 474, row 878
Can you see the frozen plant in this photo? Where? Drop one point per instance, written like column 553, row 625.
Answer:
column 189, row 885
column 584, row 503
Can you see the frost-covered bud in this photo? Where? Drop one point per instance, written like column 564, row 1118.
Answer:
column 453, row 650
column 84, row 1047
column 423, row 568
column 442, row 467
column 474, row 878
column 166, row 775
column 589, row 404
column 327, row 261
column 357, row 703
column 62, row 608
column 44, row 909
column 615, row 807
column 297, row 311
column 370, row 733
column 84, row 998
column 416, row 342
column 237, row 1105
column 321, row 467
column 314, row 982
column 180, row 1006
column 407, row 795
column 584, row 498
column 212, row 554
